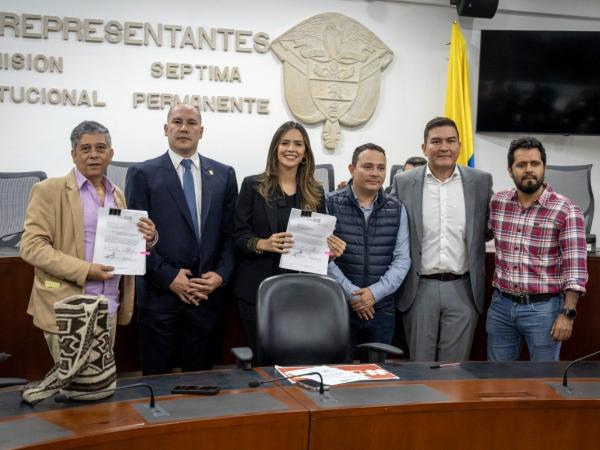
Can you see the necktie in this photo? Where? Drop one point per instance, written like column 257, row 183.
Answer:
column 190, row 193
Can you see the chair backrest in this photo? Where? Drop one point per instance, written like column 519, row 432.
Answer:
column 302, row 319
column 117, row 171
column 324, row 175
column 575, row 183
column 15, row 188
column 394, row 170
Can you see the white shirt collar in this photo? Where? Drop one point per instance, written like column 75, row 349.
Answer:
column 455, row 173
column 176, row 159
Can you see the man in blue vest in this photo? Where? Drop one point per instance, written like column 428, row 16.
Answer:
column 374, row 226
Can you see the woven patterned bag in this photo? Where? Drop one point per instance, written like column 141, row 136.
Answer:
column 86, row 364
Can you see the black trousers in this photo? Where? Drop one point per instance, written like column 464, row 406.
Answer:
column 182, row 336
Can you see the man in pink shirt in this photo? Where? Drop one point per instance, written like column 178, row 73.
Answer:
column 60, row 233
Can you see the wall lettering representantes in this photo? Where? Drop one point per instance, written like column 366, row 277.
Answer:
column 130, row 33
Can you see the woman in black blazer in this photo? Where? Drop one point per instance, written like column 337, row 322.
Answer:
column 262, row 212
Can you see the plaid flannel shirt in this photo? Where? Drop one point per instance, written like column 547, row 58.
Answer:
column 540, row 249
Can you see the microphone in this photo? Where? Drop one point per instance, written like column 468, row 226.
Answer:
column 257, row 383
column 564, row 382
column 64, row 398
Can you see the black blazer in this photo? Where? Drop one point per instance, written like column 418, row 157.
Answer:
column 154, row 186
column 254, row 218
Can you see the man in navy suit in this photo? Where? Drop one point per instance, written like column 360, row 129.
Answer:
column 191, row 199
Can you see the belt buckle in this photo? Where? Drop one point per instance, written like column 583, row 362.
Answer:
column 523, row 299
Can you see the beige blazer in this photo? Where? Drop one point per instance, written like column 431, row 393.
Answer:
column 53, row 243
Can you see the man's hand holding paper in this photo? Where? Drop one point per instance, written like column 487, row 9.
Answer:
column 121, row 239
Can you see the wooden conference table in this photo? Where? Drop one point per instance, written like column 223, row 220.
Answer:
column 472, row 406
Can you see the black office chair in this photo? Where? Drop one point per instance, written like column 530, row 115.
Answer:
column 396, row 168
column 15, row 188
column 574, row 182
column 303, row 319
column 116, row 172
column 324, row 175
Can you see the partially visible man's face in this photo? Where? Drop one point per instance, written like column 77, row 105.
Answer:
column 527, row 170
column 369, row 173
column 183, row 130
column 442, row 148
column 92, row 155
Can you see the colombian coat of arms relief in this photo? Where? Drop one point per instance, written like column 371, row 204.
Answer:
column 332, row 67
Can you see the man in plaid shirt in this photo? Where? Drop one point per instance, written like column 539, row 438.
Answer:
column 541, row 261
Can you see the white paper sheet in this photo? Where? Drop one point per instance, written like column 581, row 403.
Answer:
column 119, row 243
column 310, row 252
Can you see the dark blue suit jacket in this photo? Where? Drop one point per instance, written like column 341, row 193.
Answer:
column 154, row 186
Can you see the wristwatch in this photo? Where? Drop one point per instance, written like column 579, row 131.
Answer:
column 569, row 313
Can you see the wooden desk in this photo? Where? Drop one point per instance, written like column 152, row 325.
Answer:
column 18, row 336
column 115, row 424
column 476, row 414
column 476, row 411
column 489, row 414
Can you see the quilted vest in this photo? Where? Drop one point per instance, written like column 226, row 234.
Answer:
column 369, row 246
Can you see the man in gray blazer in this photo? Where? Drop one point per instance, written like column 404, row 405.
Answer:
column 447, row 206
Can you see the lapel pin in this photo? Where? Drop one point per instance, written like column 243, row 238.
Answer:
column 210, row 172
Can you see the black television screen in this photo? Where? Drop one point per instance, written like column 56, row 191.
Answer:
column 539, row 82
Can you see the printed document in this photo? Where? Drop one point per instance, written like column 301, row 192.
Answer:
column 310, row 252
column 338, row 374
column 119, row 243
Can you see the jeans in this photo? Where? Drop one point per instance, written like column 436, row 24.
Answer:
column 509, row 323
column 379, row 329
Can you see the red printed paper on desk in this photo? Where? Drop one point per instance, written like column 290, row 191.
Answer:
column 337, row 374
column 369, row 371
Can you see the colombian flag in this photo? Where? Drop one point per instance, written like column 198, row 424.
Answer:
column 458, row 98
